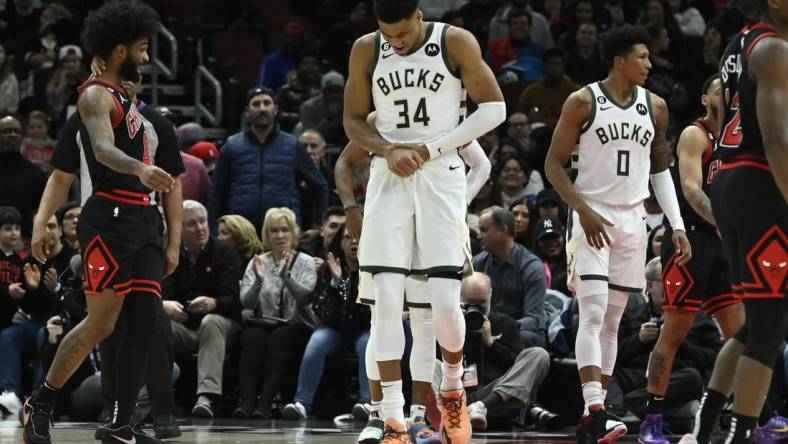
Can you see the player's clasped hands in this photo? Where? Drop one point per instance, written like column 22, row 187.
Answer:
column 404, row 159
column 594, row 227
column 156, row 179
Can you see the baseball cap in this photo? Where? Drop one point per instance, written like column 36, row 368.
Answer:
column 257, row 90
column 548, row 195
column 332, row 78
column 547, row 226
column 205, row 151
column 69, row 50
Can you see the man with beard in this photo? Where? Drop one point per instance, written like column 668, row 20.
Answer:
column 119, row 230
column 21, row 181
column 257, row 167
column 549, row 246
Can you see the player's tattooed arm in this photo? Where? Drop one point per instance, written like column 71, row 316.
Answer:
column 692, row 144
column 660, row 160
column 767, row 65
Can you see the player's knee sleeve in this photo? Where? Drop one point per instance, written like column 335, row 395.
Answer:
column 608, row 337
column 592, row 315
column 449, row 324
column 767, row 321
column 389, row 298
column 422, row 354
column 373, row 372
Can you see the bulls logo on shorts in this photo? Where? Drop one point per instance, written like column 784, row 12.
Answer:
column 767, row 261
column 100, row 265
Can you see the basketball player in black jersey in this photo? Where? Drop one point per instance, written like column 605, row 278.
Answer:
column 749, row 202
column 120, row 232
column 703, row 281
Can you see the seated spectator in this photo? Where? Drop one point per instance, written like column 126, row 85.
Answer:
column 714, row 43
column 315, row 243
column 276, row 65
column 549, row 204
column 207, row 152
column 40, row 283
column 637, row 335
column 540, row 30
column 324, row 112
column 188, row 134
column 518, row 128
column 507, row 371
column 203, row 304
column 548, row 94
column 343, row 323
column 22, row 182
column 61, row 89
column 316, row 147
column 655, row 242
column 523, row 211
column 517, row 275
column 517, row 48
column 37, row 146
column 303, row 83
column 549, row 246
column 239, row 233
column 517, row 180
column 584, row 65
column 9, row 85
column 11, row 289
column 68, row 215
column 276, row 294
column 689, row 19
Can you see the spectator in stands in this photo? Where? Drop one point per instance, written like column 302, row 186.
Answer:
column 662, row 75
column 21, row 181
column 37, row 127
column 276, row 293
column 203, row 304
column 637, row 335
column 714, row 43
column 257, row 167
column 549, row 246
column 195, row 181
column 540, row 29
column 477, row 15
column 37, row 146
column 655, row 242
column 190, row 133
column 517, row 47
column 657, row 14
column 316, row 147
column 548, row 204
column 61, row 89
column 507, row 371
column 19, row 24
column 517, row 275
column 514, row 179
column 689, row 19
column 343, row 323
column 9, row 85
column 584, row 12
column 315, row 242
column 303, row 83
column 11, row 287
column 68, row 216
column 324, row 112
column 240, row 234
column 548, row 94
column 518, row 128
column 275, row 67
column 207, row 152
column 40, row 282
column 556, row 18
column 523, row 210
column 584, row 65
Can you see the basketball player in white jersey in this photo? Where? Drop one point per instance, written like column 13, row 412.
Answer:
column 415, row 209
column 618, row 129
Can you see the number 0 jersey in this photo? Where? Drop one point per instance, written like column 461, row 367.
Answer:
column 416, row 94
column 614, row 148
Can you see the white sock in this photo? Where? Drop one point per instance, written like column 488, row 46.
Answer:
column 417, row 411
column 604, row 396
column 452, row 376
column 393, row 401
column 592, row 394
column 374, row 411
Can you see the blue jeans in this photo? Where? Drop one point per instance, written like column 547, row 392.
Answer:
column 326, row 341
column 14, row 341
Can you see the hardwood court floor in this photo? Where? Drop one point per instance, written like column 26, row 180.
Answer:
column 285, row 432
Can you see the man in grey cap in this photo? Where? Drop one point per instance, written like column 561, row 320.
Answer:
column 324, row 112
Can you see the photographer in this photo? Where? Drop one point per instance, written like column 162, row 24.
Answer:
column 498, row 367
column 638, row 333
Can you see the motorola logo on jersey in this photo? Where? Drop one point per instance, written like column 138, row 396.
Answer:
column 408, row 78
column 624, row 131
column 133, row 121
column 432, row 50
column 641, row 109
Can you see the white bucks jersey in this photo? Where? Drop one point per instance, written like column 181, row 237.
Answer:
column 416, row 95
column 613, row 158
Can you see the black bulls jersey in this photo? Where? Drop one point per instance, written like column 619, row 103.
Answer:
column 710, row 165
column 740, row 131
column 130, row 138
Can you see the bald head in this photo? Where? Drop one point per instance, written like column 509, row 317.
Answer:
column 10, row 134
column 477, row 287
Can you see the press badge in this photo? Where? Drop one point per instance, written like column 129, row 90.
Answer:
column 470, row 376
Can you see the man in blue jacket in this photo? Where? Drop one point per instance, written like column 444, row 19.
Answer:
column 258, row 166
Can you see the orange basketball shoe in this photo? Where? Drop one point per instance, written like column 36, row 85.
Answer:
column 455, row 424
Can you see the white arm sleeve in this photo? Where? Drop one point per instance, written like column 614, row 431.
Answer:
column 474, row 156
column 666, row 196
column 487, row 117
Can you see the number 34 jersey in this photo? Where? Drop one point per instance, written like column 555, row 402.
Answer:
column 614, row 148
column 417, row 95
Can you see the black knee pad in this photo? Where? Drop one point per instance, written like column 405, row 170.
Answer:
column 764, row 330
column 445, row 275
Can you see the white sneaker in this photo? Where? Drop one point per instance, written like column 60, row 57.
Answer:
column 688, row 439
column 373, row 432
column 294, row 411
column 477, row 412
column 10, row 403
